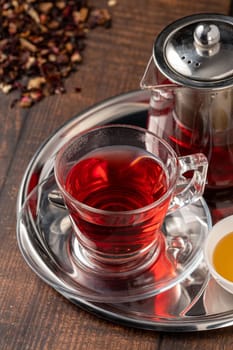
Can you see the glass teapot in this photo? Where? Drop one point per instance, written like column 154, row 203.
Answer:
column 190, row 75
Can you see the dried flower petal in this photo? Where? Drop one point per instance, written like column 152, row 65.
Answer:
column 76, row 57
column 83, row 14
column 27, row 45
column 45, row 7
column 26, row 101
column 5, row 88
column 35, row 83
column 61, row 4
column 34, row 15
column 112, row 2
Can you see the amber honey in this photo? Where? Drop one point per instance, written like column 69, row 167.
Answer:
column 223, row 257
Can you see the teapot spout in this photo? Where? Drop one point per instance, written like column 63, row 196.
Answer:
column 152, row 77
column 149, row 79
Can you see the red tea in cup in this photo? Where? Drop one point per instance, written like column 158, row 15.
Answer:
column 118, row 179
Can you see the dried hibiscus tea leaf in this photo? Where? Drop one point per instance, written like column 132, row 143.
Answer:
column 41, row 43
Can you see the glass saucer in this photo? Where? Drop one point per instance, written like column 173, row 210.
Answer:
column 50, row 248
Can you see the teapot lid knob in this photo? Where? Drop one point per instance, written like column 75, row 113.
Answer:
column 206, row 35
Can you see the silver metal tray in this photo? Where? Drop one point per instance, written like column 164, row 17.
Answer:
column 193, row 304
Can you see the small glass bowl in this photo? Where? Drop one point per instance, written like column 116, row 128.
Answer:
column 218, row 231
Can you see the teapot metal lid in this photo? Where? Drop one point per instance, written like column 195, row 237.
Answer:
column 197, row 51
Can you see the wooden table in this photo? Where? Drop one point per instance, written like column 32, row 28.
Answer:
column 32, row 315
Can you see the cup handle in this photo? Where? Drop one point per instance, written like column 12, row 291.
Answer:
column 188, row 190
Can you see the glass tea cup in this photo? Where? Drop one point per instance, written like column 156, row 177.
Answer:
column 118, row 183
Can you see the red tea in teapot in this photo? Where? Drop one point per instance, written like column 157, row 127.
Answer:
column 192, row 122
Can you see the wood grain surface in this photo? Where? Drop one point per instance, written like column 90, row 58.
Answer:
column 32, row 315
